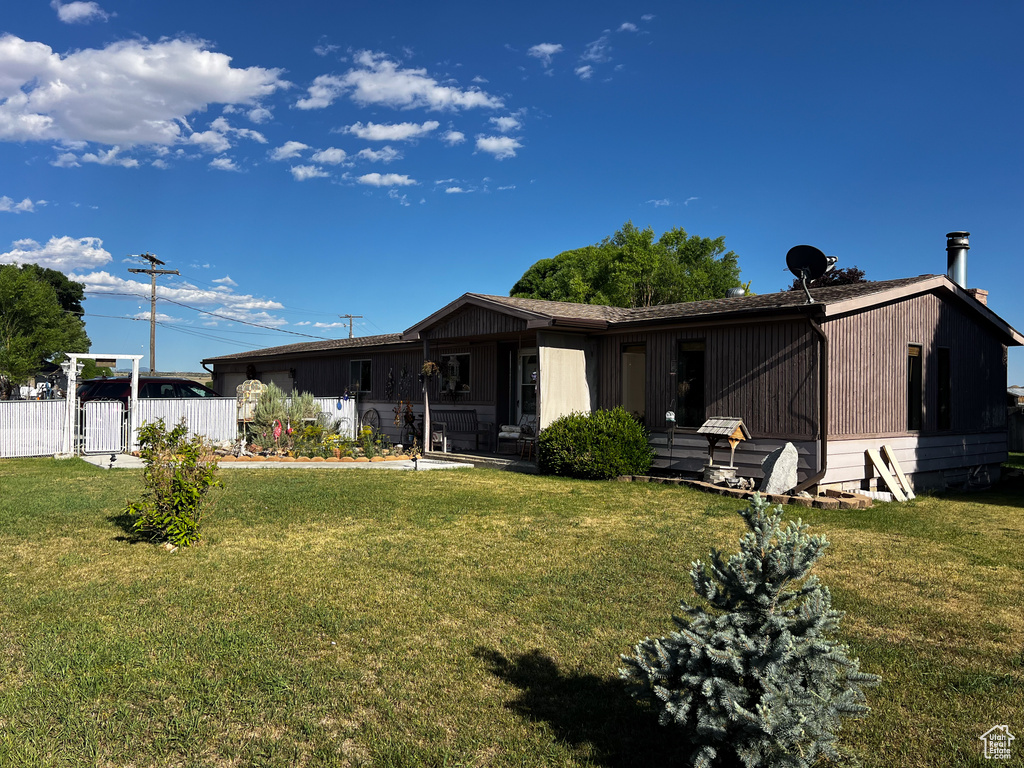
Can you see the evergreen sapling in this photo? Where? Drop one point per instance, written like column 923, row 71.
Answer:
column 758, row 675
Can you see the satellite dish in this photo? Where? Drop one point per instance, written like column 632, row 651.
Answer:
column 808, row 263
column 806, row 260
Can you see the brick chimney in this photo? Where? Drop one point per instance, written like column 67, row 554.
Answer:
column 980, row 294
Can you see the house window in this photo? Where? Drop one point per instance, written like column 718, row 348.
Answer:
column 359, row 376
column 915, row 387
column 455, row 374
column 945, row 390
column 690, row 384
column 634, row 380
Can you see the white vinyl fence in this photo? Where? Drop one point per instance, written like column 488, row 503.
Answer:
column 212, row 417
column 39, row 427
column 32, row 427
column 105, row 426
column 340, row 412
column 215, row 417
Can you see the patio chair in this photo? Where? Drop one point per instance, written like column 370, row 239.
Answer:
column 523, row 434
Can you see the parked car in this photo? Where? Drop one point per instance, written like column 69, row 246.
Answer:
column 120, row 388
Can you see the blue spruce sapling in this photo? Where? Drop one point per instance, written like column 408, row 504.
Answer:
column 757, row 675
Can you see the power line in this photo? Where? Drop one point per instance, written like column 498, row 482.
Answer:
column 213, row 314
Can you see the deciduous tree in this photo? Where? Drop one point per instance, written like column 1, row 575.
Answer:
column 34, row 326
column 846, row 276
column 632, row 269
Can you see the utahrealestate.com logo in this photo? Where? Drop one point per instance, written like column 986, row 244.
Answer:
column 997, row 740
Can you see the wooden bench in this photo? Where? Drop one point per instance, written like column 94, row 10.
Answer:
column 457, row 422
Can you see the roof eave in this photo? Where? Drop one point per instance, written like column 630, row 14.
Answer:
column 933, row 283
column 794, row 311
column 533, row 319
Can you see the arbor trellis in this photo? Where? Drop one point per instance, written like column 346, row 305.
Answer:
column 758, row 674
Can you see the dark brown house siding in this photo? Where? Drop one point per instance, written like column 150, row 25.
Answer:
column 475, row 321
column 868, row 353
column 765, row 373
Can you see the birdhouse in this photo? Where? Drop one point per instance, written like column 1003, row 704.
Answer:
column 724, row 428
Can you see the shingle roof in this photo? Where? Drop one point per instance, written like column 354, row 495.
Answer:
column 328, row 345
column 566, row 313
column 563, row 309
column 758, row 303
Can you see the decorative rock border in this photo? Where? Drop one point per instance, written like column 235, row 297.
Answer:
column 831, row 499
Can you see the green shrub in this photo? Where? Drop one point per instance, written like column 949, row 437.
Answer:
column 594, row 446
column 757, row 677
column 177, row 481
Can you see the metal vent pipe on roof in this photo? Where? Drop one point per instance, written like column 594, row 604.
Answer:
column 957, row 246
column 734, row 293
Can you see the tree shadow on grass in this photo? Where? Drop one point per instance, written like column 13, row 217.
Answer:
column 124, row 521
column 585, row 709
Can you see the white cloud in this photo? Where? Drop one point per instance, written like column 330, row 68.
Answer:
column 220, row 300
column 544, row 52
column 506, row 124
column 660, row 203
column 689, row 200
column 627, row 26
column 455, row 190
column 597, row 51
column 585, row 72
column 385, row 154
column 260, row 115
column 325, row 50
column 451, row 138
column 480, row 80
column 160, row 317
column 647, row 17
column 322, row 93
column 288, row 151
column 210, row 141
column 331, row 156
column 7, row 205
column 61, row 253
column 379, row 80
column 110, row 157
column 329, row 325
column 161, row 164
column 402, row 199
column 386, row 180
column 501, row 147
column 303, row 172
column 224, row 164
column 225, row 281
column 222, row 125
column 131, row 92
column 78, row 12
column 391, row 131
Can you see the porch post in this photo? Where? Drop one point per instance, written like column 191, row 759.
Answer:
column 426, row 399
column 71, row 403
column 133, row 413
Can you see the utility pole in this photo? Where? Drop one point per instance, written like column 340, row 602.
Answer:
column 153, row 272
column 349, row 317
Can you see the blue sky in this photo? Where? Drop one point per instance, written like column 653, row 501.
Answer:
column 299, row 161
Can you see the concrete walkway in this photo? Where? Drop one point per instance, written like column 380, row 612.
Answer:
column 127, row 461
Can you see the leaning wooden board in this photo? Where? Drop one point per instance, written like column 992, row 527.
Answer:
column 890, row 456
column 883, row 472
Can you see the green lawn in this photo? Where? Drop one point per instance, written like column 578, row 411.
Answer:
column 458, row 618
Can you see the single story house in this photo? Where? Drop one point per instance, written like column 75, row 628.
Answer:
column 919, row 364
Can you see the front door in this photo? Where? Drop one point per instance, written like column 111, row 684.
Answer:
column 528, row 379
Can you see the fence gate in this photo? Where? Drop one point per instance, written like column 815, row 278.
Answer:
column 104, row 427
